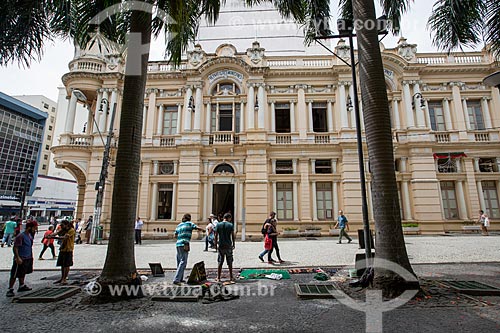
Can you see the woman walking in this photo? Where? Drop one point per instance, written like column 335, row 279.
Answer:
column 48, row 243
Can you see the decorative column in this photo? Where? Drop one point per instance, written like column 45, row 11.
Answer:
column 151, row 115
column 329, row 115
column 313, row 166
column 262, row 106
column 206, row 213
column 104, row 114
column 427, row 115
column 480, row 194
column 97, row 113
column 208, row 117
column 447, row 114
column 113, row 102
column 187, row 110
column 251, row 107
column 315, row 204
column 198, row 106
column 274, row 196
column 395, row 112
column 295, row 201
column 70, row 119
column 159, row 127
column 242, row 116
column 458, row 107
column 301, row 112
column 462, row 206
column 240, row 199
column 351, row 114
column 419, row 113
column 335, row 199
column 176, row 167
column 154, row 202
column 407, row 103
column 405, row 193
column 310, row 127
column 343, row 105
column 466, row 113
column 174, row 202
column 273, row 117
column 292, row 116
column 294, row 166
column 486, row 112
column 144, row 113
column 179, row 114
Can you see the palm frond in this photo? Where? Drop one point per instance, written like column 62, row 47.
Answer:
column 345, row 10
column 457, row 23
column 23, row 31
column 492, row 26
column 394, row 10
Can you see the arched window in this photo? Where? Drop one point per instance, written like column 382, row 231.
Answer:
column 225, row 89
column 224, row 168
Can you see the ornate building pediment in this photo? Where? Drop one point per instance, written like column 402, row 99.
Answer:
column 196, row 56
column 255, row 53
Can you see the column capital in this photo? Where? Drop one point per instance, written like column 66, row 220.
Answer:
column 396, row 99
column 309, row 100
column 344, row 83
column 293, row 101
column 330, row 100
column 447, row 99
column 301, row 86
column 149, row 91
column 179, row 104
column 486, row 98
column 464, row 99
column 406, row 82
column 272, row 101
column 459, row 84
column 243, row 100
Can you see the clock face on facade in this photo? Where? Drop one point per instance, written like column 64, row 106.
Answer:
column 167, row 168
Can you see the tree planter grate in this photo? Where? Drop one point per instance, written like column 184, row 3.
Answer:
column 47, row 295
column 179, row 294
column 471, row 287
column 314, row 290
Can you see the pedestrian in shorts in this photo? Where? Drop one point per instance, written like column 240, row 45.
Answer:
column 23, row 258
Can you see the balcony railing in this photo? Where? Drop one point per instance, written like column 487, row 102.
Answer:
column 438, row 59
column 83, row 140
column 167, row 141
column 321, row 138
column 482, row 137
column 442, row 137
column 86, row 65
column 224, row 138
column 283, row 139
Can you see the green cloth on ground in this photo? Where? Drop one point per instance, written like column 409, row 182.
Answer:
column 249, row 274
column 321, row 277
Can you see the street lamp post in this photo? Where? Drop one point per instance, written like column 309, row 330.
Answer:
column 100, row 185
column 346, row 28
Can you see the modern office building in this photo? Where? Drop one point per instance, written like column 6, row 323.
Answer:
column 50, row 107
column 248, row 130
column 21, row 138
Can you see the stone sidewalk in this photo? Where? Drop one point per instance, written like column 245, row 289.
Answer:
column 280, row 312
column 297, row 252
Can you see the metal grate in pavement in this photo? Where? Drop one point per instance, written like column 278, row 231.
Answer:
column 314, row 290
column 179, row 294
column 471, row 287
column 48, row 294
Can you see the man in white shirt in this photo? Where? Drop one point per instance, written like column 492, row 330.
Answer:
column 138, row 230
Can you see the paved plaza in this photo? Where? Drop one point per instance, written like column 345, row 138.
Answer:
column 467, row 257
column 296, row 252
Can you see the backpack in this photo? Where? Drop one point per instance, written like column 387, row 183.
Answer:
column 264, row 229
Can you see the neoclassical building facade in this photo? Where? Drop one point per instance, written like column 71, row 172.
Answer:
column 241, row 131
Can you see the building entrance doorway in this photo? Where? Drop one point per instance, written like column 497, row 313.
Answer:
column 223, row 199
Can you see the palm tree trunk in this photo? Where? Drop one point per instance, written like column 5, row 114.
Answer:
column 390, row 240
column 119, row 267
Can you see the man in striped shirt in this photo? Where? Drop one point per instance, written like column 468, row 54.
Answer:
column 183, row 233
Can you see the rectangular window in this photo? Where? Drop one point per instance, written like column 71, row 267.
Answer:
column 436, row 116
column 225, row 117
column 449, row 198
column 491, row 198
column 284, row 167
column 50, row 128
column 170, row 120
column 319, row 117
column 487, row 165
column 45, row 157
column 284, row 198
column 165, row 194
column 323, row 166
column 44, row 167
column 324, row 200
column 282, row 117
column 49, row 137
column 237, row 110
column 475, row 115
